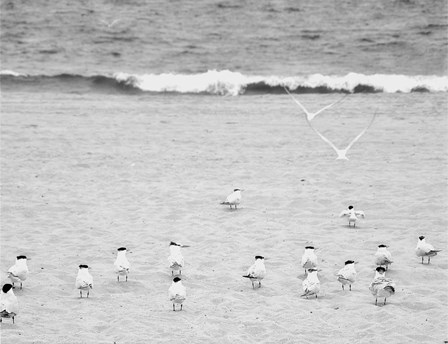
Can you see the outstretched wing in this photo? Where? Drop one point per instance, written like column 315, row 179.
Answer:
column 361, row 133
column 328, row 106
column 344, row 213
column 360, row 213
column 309, row 115
column 323, row 137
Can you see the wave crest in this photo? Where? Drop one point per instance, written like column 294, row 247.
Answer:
column 226, row 82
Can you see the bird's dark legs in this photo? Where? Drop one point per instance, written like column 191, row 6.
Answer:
column 126, row 278
column 180, row 306
column 21, row 282
column 88, row 293
column 13, row 320
column 350, row 287
column 118, row 278
column 429, row 259
column 376, row 301
column 259, row 284
column 384, row 301
column 422, row 260
column 174, row 308
column 80, row 293
column 343, row 287
column 316, row 296
column 253, row 287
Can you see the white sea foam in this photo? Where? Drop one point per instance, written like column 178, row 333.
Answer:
column 233, row 83
column 227, row 82
column 216, row 82
column 10, row 73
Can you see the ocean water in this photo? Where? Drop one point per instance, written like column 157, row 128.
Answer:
column 228, row 47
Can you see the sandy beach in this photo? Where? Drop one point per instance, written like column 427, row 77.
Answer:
column 85, row 174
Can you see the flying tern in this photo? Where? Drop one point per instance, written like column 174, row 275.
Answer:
column 342, row 153
column 311, row 115
column 110, row 24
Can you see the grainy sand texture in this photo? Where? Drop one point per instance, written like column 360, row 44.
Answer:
column 85, row 174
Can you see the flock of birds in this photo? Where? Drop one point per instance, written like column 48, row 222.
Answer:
column 380, row 287
column 309, row 116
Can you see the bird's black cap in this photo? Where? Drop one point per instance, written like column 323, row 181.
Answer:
column 236, row 190
column 176, row 279
column 259, row 257
column 421, row 237
column 349, row 262
column 350, row 207
column 6, row 287
column 21, row 257
column 173, row 243
column 382, row 245
column 380, row 269
column 311, row 247
column 121, row 249
column 83, row 266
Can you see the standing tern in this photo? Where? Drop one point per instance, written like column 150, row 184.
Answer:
column 19, row 271
column 311, row 284
column 383, row 256
column 177, row 292
column 309, row 258
column 175, row 259
column 257, row 271
column 233, row 199
column 347, row 275
column 425, row 249
column 381, row 286
column 352, row 215
column 84, row 280
column 9, row 306
column 121, row 264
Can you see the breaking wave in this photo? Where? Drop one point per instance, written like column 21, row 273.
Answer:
column 223, row 82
